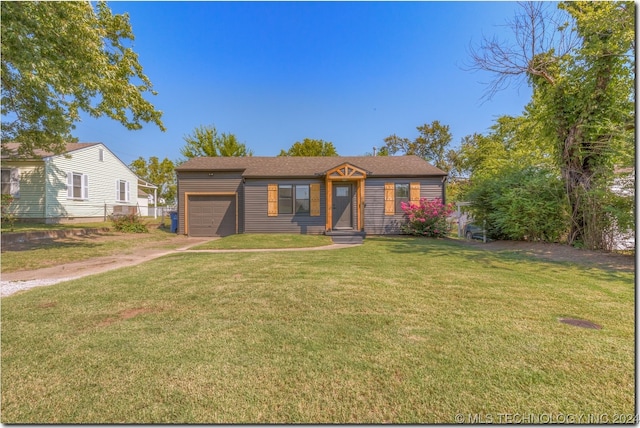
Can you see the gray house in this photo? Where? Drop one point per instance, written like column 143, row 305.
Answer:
column 219, row 196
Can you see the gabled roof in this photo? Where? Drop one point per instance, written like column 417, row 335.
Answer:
column 10, row 150
column 298, row 166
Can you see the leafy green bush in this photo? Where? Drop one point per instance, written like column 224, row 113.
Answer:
column 521, row 204
column 7, row 216
column 129, row 223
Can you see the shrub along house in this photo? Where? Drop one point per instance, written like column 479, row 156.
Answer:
column 350, row 196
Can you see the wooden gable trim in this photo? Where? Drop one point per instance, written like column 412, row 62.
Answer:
column 346, row 171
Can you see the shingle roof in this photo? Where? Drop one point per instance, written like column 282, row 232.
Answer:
column 10, row 150
column 297, row 166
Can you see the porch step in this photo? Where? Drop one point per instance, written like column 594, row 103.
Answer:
column 346, row 236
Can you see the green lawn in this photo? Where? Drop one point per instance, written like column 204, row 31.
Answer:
column 60, row 251
column 262, row 241
column 396, row 330
column 34, row 227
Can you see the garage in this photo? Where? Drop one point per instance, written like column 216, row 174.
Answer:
column 211, row 215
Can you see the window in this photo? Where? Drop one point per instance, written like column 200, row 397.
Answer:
column 122, row 191
column 101, row 155
column 293, row 199
column 6, row 181
column 302, row 199
column 285, row 199
column 77, row 186
column 11, row 182
column 401, row 195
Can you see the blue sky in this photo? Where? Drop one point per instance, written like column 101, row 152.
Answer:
column 274, row 73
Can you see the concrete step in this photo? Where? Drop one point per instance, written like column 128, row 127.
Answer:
column 354, row 240
column 346, row 236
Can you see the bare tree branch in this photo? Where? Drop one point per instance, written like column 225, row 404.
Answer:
column 540, row 39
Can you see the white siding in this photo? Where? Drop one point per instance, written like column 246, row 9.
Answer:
column 30, row 202
column 101, row 177
column 143, row 204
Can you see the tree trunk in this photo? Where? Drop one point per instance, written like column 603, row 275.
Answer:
column 581, row 156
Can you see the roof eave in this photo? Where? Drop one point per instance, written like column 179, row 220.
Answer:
column 203, row 169
column 286, row 176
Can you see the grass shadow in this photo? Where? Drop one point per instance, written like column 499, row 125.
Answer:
column 55, row 243
column 489, row 257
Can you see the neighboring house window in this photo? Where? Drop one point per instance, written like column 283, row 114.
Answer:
column 122, row 191
column 77, row 186
column 401, row 195
column 101, row 155
column 11, row 182
column 293, row 199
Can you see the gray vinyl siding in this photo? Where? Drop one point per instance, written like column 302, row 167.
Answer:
column 375, row 220
column 204, row 183
column 252, row 202
column 255, row 208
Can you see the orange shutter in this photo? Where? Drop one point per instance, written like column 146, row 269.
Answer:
column 272, row 200
column 314, row 195
column 389, row 199
column 414, row 193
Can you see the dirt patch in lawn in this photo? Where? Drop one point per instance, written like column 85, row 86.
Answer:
column 125, row 315
column 94, row 237
column 559, row 253
column 136, row 252
column 580, row 323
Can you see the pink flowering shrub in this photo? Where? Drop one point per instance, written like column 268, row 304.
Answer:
column 428, row 218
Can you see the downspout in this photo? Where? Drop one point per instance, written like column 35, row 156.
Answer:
column 178, row 203
column 444, row 194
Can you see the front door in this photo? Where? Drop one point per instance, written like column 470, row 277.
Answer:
column 342, row 218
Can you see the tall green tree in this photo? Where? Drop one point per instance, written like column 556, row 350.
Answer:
column 514, row 185
column 520, row 203
column 511, row 141
column 430, row 144
column 61, row 58
column 310, row 147
column 205, row 141
column 583, row 97
column 160, row 173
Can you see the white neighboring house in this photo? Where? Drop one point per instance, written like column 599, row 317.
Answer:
column 624, row 185
column 85, row 183
column 143, row 202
